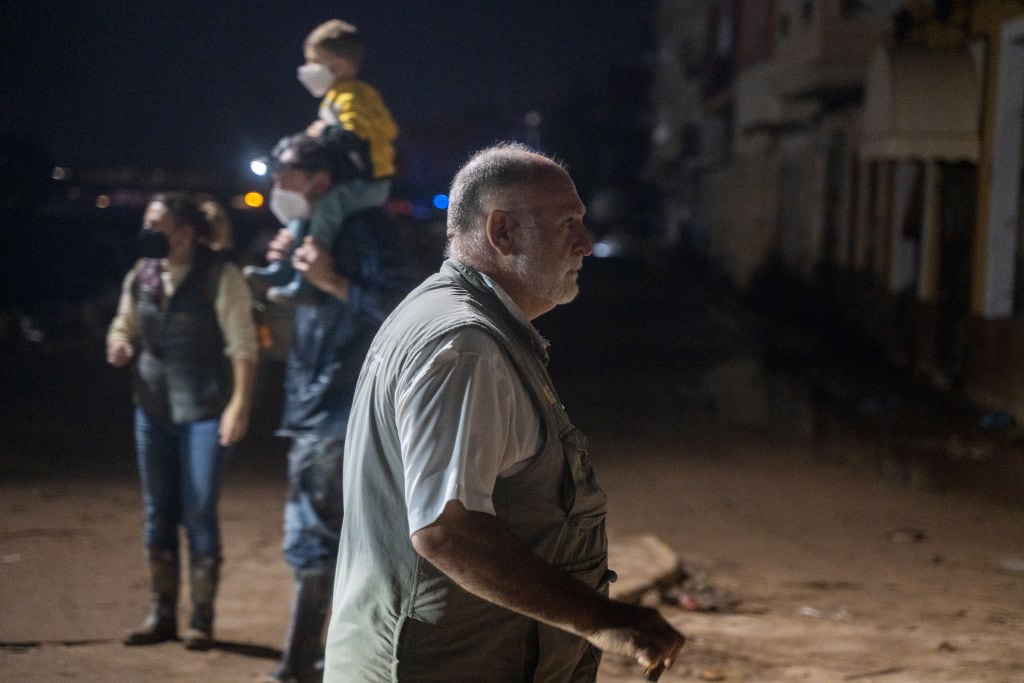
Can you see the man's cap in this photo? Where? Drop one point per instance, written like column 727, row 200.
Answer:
column 337, row 150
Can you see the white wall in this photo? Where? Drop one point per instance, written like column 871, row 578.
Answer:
column 1008, row 147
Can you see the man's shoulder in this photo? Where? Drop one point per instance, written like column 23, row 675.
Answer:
column 368, row 229
column 468, row 351
column 470, row 338
column 438, row 314
column 371, row 215
column 333, row 214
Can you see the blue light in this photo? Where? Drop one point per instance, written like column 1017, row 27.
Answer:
column 441, row 201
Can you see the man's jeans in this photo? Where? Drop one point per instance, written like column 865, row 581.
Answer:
column 312, row 515
column 180, row 468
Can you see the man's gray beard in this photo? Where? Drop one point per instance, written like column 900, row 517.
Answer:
column 535, row 276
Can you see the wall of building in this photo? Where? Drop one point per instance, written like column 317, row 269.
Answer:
column 764, row 145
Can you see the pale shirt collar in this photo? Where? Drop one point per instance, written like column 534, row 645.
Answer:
column 172, row 274
column 516, row 312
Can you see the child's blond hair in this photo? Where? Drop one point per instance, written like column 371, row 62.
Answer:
column 336, row 37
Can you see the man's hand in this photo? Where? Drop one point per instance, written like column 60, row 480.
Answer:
column 648, row 638
column 280, row 246
column 317, row 265
column 119, row 352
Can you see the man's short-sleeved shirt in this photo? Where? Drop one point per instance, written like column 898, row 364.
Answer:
column 464, row 420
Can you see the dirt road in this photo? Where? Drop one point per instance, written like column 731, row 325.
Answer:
column 826, row 592
column 837, row 575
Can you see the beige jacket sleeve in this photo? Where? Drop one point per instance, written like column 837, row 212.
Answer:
column 234, row 313
column 125, row 325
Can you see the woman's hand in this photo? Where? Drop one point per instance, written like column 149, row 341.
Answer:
column 119, row 353
column 234, row 423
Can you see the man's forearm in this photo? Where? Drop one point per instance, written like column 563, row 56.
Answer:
column 477, row 552
column 336, row 286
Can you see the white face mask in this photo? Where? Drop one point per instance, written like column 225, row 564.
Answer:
column 316, row 77
column 288, row 205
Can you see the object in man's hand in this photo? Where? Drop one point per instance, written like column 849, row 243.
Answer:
column 654, row 671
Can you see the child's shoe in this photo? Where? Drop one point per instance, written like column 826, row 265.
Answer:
column 297, row 292
column 274, row 273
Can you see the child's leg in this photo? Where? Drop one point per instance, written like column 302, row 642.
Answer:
column 377, row 192
column 344, row 199
column 298, row 290
column 341, row 201
column 280, row 272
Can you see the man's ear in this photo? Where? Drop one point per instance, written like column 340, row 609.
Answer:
column 500, row 229
column 321, row 182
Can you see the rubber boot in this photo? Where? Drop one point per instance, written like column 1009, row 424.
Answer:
column 162, row 623
column 204, row 575
column 303, row 648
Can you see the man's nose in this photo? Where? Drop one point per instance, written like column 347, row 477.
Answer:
column 582, row 244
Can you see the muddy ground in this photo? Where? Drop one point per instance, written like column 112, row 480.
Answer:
column 821, row 568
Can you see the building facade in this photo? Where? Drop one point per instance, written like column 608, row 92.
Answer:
column 872, row 149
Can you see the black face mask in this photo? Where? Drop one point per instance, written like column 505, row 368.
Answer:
column 153, row 244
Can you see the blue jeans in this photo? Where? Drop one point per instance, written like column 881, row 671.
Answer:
column 312, row 515
column 180, row 468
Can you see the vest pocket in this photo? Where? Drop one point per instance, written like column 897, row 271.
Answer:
column 593, row 571
column 582, row 522
column 583, row 499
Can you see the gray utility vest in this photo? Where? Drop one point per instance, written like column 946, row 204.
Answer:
column 182, row 375
column 396, row 617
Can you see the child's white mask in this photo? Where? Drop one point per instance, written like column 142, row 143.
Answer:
column 316, row 77
column 288, row 205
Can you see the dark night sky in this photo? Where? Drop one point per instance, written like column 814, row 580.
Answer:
column 211, row 83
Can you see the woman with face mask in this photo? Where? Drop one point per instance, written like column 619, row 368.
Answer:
column 184, row 321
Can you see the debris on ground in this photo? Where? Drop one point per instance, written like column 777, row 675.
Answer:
column 695, row 593
column 712, row 674
column 837, row 614
column 906, row 535
column 1013, row 565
